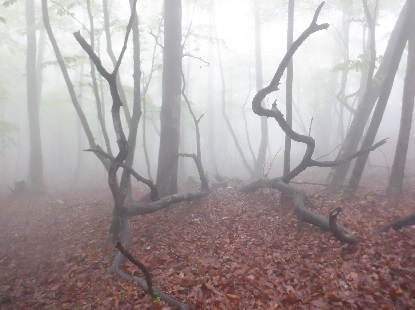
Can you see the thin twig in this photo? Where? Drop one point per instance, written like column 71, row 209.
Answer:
column 71, row 15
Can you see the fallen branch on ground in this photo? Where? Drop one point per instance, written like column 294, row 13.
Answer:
column 400, row 223
column 140, row 265
column 338, row 233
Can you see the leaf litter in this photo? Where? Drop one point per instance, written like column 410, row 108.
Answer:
column 226, row 251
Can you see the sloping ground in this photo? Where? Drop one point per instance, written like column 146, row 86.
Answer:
column 226, row 251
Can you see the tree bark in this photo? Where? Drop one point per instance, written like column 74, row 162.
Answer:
column 211, row 117
column 36, row 181
column 400, row 223
column 171, row 99
column 111, row 54
column 337, row 175
column 289, row 88
column 260, row 160
column 399, row 161
column 69, row 85
column 383, row 100
column 100, row 114
column 125, row 185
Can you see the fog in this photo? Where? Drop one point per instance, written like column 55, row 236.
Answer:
column 67, row 166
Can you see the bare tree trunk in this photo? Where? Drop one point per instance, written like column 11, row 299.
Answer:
column 341, row 95
column 146, row 84
column 171, row 99
column 383, row 100
column 260, row 160
column 68, row 82
column 398, row 167
column 338, row 174
column 110, row 52
column 289, row 88
column 36, row 181
column 100, row 114
column 125, row 185
column 211, row 104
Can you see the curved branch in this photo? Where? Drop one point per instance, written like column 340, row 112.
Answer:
column 140, row 265
column 337, row 232
column 153, row 188
column 274, row 112
column 203, row 179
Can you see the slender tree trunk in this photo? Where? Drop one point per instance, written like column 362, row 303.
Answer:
column 260, row 161
column 398, row 167
column 383, row 100
column 341, row 95
column 125, row 185
column 171, row 99
column 146, row 84
column 289, row 89
column 68, row 82
column 338, row 174
column 225, row 116
column 100, row 114
column 36, row 181
column 111, row 54
column 211, row 105
column 39, row 63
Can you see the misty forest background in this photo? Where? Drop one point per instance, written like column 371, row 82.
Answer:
column 209, row 29
column 229, row 102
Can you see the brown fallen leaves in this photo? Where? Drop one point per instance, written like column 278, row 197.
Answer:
column 226, row 251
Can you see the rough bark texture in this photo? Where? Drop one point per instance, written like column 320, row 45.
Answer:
column 399, row 161
column 171, row 99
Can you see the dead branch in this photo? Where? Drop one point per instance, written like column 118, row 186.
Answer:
column 400, row 223
column 143, row 284
column 303, row 214
column 338, row 233
column 165, row 202
column 140, row 265
column 299, row 199
column 198, row 156
column 203, row 179
column 154, row 192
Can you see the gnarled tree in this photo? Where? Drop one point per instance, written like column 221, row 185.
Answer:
column 282, row 183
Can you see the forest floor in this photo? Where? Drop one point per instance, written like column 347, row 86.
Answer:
column 226, row 251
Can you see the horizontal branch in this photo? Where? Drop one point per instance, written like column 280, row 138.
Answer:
column 147, row 208
column 298, row 197
column 400, row 223
column 335, row 163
